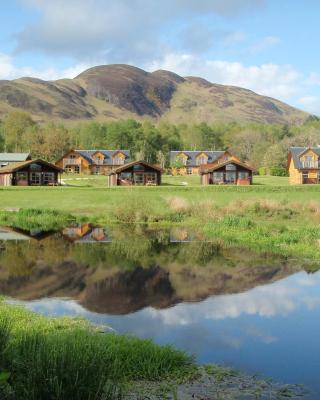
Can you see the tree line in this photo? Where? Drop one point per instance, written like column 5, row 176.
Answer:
column 265, row 146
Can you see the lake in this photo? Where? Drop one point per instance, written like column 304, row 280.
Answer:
column 257, row 313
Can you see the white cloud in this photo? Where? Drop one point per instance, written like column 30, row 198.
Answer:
column 310, row 103
column 280, row 81
column 8, row 70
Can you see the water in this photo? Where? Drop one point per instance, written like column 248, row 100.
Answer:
column 259, row 314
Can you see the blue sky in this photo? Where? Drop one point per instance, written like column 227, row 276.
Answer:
column 268, row 46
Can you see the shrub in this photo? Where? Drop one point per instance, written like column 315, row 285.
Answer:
column 278, row 171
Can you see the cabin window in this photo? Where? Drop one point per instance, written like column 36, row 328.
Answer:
column 118, row 161
column 151, row 178
column 243, row 175
column 217, row 177
column 35, row 167
column 99, row 160
column 22, row 176
column 138, row 178
column 308, row 161
column 183, row 160
column 97, row 170
column 76, row 169
column 189, row 170
column 72, row 156
column 231, row 167
column 230, row 177
column 35, row 178
column 48, row 177
column 126, row 176
column 202, row 160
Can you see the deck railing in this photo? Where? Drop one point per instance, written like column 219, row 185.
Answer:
column 71, row 161
column 310, row 164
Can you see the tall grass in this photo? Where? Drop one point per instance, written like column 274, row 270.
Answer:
column 33, row 219
column 67, row 359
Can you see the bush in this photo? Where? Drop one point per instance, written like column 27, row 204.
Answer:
column 278, row 171
column 262, row 171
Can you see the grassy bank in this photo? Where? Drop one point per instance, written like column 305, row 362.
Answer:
column 43, row 358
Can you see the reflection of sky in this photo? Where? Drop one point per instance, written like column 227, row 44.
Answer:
column 272, row 329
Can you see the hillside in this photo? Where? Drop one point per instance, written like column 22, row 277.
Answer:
column 121, row 91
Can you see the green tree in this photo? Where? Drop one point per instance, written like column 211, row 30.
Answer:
column 14, row 129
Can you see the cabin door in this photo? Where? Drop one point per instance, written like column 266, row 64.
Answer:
column 35, row 178
column 138, row 178
column 231, row 177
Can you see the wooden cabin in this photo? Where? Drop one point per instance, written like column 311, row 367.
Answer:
column 30, row 173
column 136, row 173
column 93, row 161
column 11, row 158
column 304, row 165
column 231, row 172
column 188, row 162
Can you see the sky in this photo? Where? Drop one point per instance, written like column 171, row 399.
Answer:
column 268, row 46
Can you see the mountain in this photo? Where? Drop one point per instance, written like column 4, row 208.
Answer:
column 110, row 92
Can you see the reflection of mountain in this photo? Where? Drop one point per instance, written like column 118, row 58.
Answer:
column 117, row 291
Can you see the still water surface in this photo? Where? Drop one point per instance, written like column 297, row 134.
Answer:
column 259, row 314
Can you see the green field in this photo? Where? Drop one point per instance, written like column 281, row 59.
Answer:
column 267, row 216
column 89, row 195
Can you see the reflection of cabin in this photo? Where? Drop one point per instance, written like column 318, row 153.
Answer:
column 93, row 161
column 184, row 235
column 230, row 172
column 30, row 173
column 86, row 233
column 189, row 162
column 10, row 158
column 136, row 173
column 304, row 165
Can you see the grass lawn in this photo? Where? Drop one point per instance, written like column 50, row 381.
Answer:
column 89, row 195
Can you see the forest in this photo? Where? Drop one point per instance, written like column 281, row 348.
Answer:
column 264, row 146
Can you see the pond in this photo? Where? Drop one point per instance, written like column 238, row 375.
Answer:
column 257, row 313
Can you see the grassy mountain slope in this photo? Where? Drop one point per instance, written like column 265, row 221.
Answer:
column 122, row 91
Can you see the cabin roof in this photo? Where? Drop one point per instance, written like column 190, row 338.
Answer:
column 296, row 152
column 207, row 168
column 87, row 154
column 13, row 157
column 19, row 165
column 126, row 166
column 192, row 155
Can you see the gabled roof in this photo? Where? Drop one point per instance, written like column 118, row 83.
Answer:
column 192, row 155
column 87, row 154
column 20, row 165
column 210, row 168
column 126, row 166
column 296, row 152
column 14, row 157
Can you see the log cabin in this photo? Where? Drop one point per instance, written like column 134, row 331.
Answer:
column 230, row 172
column 186, row 162
column 136, row 173
column 93, row 161
column 30, row 173
column 10, row 158
column 304, row 165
